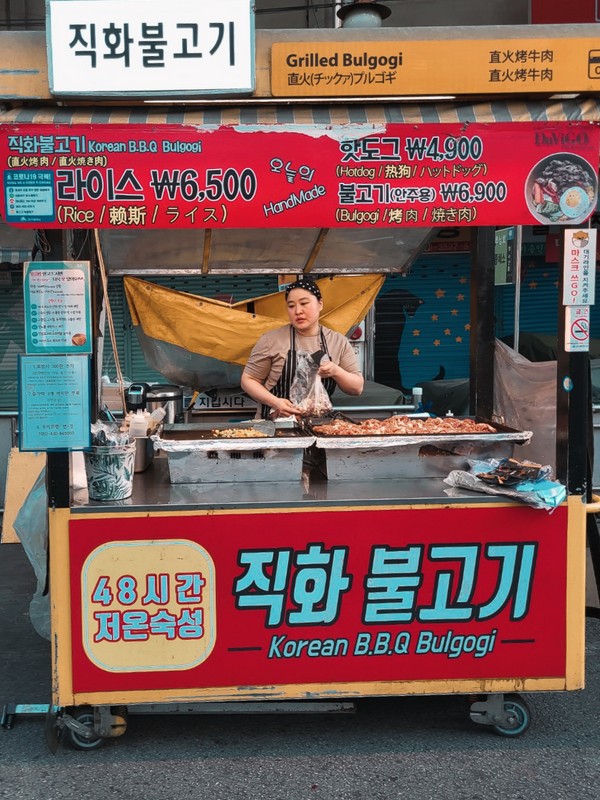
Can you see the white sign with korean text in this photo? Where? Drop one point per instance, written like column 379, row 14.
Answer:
column 579, row 265
column 149, row 48
column 577, row 329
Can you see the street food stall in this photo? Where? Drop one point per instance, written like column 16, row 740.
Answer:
column 230, row 575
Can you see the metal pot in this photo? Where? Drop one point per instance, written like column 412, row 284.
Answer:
column 169, row 396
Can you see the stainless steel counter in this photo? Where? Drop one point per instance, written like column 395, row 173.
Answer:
column 152, row 491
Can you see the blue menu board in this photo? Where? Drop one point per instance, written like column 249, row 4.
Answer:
column 57, row 307
column 54, row 402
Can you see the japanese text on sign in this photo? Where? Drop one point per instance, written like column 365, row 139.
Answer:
column 465, row 66
column 404, row 176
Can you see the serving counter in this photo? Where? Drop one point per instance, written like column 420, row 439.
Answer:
column 153, row 492
column 188, row 594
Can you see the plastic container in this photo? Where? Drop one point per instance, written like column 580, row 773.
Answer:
column 417, row 398
column 109, row 471
column 138, row 424
column 156, row 417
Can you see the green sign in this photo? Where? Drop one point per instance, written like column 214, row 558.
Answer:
column 504, row 256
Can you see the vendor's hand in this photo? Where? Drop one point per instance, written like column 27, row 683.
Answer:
column 285, row 408
column 328, row 369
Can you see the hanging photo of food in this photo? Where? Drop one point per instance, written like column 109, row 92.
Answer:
column 562, row 188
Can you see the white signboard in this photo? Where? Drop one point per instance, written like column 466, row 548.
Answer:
column 150, row 48
column 577, row 329
column 579, row 265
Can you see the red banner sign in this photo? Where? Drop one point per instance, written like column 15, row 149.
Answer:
column 361, row 595
column 153, row 176
column 544, row 12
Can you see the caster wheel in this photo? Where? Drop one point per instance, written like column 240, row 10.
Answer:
column 84, row 715
column 519, row 717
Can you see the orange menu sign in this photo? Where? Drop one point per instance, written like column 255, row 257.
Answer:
column 444, row 67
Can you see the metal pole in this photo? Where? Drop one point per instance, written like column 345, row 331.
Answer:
column 57, row 463
column 518, row 246
column 337, row 22
column 573, row 404
column 481, row 369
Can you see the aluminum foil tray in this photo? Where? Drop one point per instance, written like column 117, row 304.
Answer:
column 502, row 434
column 204, row 458
column 408, row 457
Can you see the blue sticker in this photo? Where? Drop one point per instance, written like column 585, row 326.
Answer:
column 567, row 384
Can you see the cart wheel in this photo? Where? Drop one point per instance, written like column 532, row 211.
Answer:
column 519, row 716
column 85, row 716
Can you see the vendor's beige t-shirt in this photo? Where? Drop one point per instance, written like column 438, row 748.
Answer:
column 268, row 356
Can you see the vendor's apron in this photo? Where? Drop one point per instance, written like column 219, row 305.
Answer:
column 284, row 384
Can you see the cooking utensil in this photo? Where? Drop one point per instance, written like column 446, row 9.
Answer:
column 192, row 402
column 202, row 430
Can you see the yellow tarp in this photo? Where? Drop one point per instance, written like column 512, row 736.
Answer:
column 229, row 332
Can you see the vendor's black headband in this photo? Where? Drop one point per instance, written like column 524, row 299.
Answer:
column 307, row 285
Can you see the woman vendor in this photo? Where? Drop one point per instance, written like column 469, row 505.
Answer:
column 270, row 370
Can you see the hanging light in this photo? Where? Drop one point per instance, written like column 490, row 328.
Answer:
column 363, row 14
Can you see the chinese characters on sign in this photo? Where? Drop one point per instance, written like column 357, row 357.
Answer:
column 335, row 176
column 408, row 67
column 144, row 47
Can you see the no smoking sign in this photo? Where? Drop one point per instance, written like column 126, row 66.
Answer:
column 577, row 329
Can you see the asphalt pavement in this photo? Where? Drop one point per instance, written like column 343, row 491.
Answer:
column 422, row 748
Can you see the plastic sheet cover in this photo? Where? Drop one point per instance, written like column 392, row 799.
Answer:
column 525, row 398
column 31, row 526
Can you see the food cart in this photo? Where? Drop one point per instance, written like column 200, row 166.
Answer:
column 226, row 580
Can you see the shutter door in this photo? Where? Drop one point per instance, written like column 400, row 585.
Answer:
column 539, row 301
column 422, row 323
column 12, row 336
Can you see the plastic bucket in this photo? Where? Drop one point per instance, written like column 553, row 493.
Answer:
column 109, row 471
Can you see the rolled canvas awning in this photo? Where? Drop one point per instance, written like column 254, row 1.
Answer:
column 298, row 113
column 202, row 342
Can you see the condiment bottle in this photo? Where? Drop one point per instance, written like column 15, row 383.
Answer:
column 138, row 425
column 417, row 398
column 156, row 417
